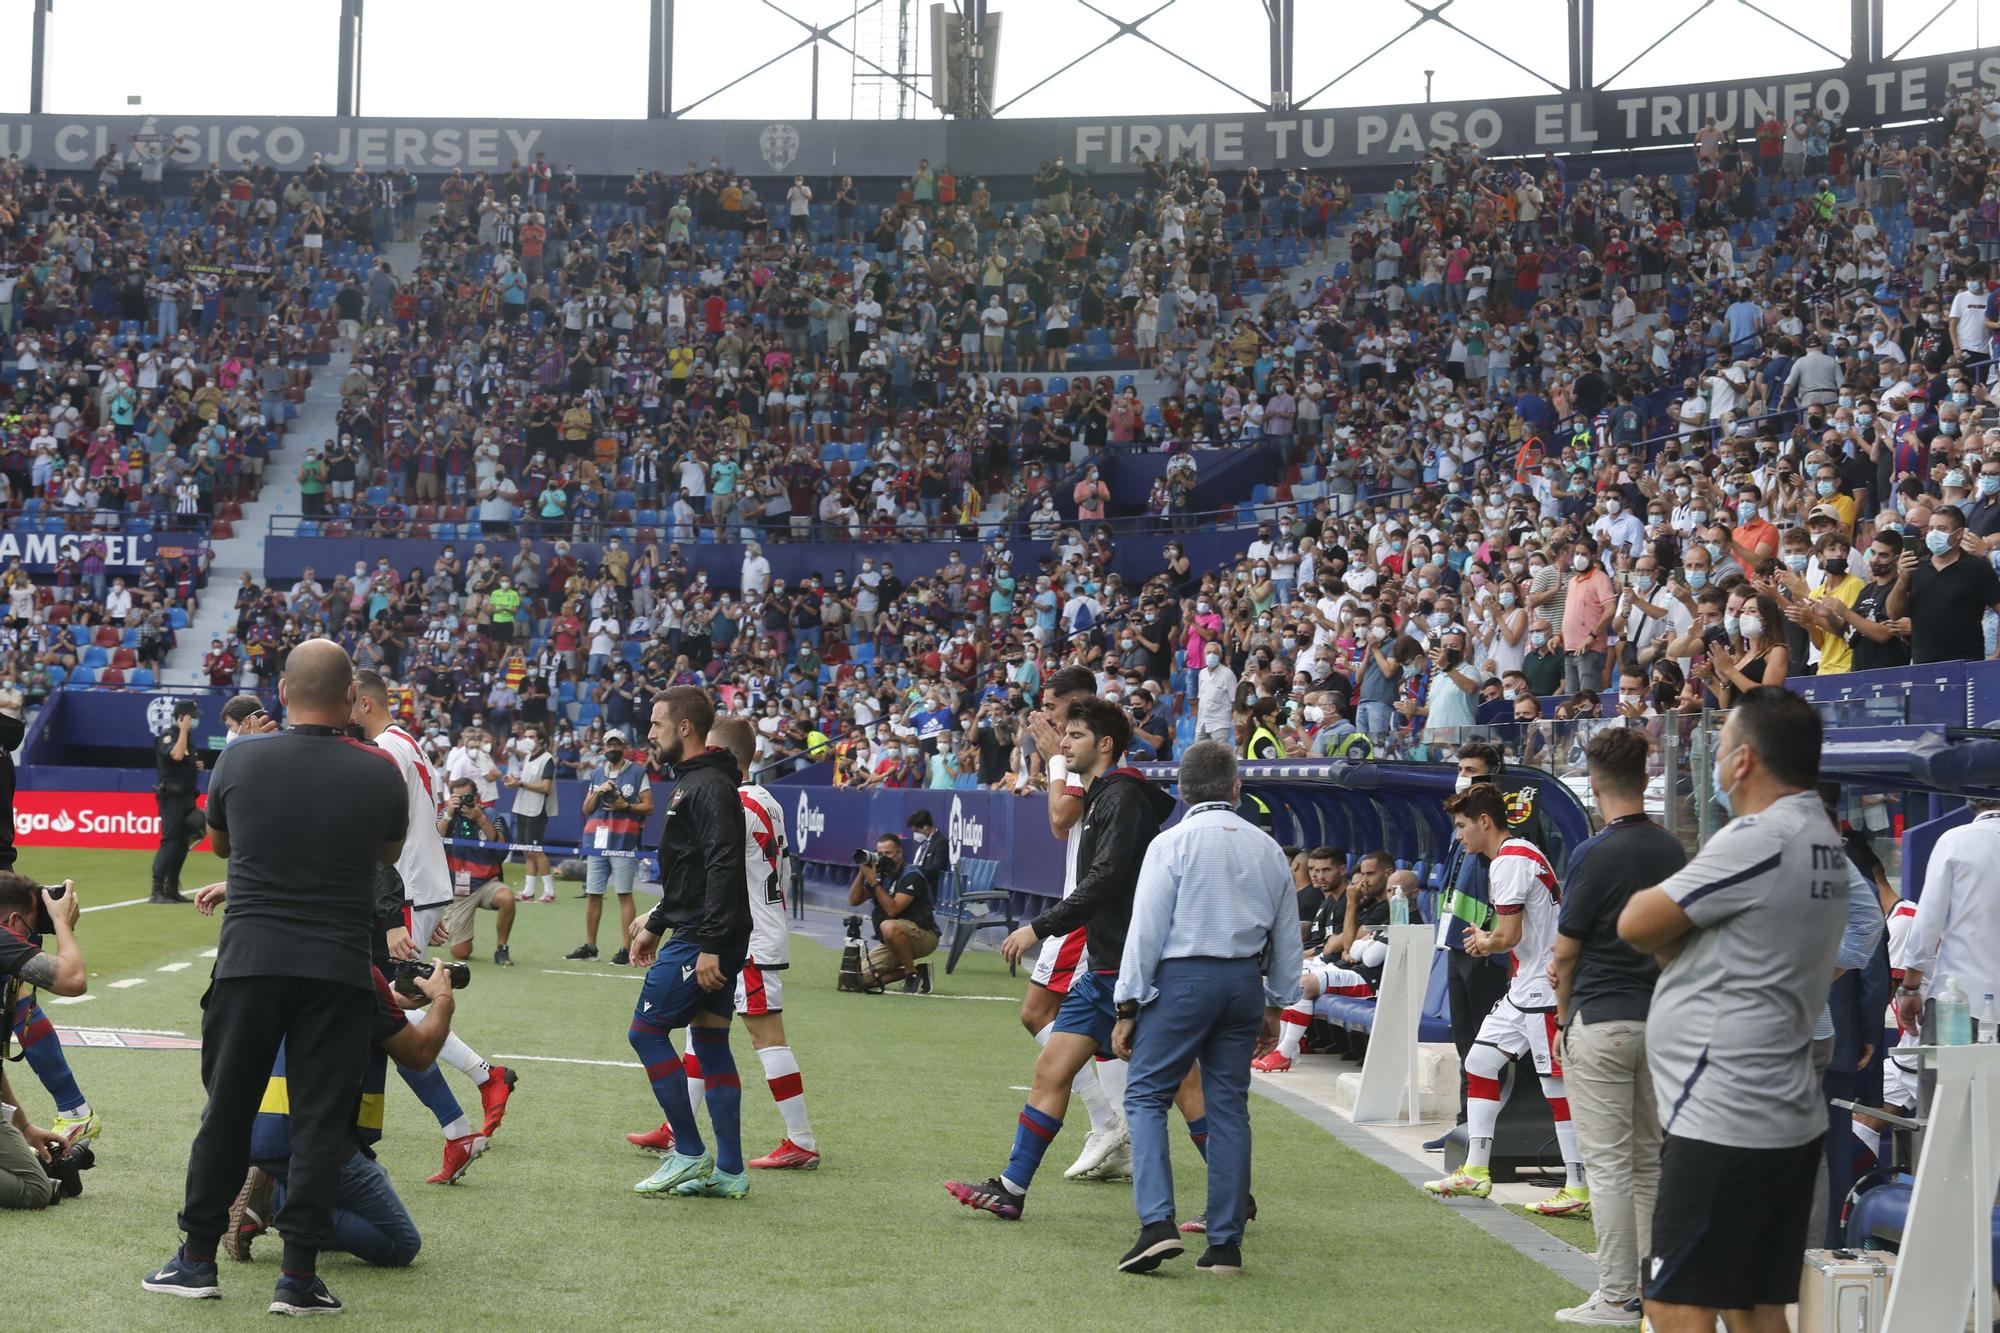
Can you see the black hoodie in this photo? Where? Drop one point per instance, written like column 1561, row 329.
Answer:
column 1121, row 816
column 704, row 894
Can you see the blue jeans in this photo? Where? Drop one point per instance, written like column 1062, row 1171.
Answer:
column 1208, row 1010
column 369, row 1220
column 1374, row 718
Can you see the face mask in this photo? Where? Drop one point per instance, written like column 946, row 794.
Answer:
column 1752, row 626
column 1863, row 418
column 1948, row 427
column 1714, row 550
column 1825, row 488
column 1721, row 791
column 1746, row 513
column 1643, row 582
column 1376, row 632
column 1313, row 714
column 1201, row 608
column 1732, row 625
column 1795, row 562
column 1939, row 542
column 1836, row 566
column 1538, row 638
column 1461, row 783
column 1214, row 660
column 1507, row 599
column 1579, row 562
column 1988, row 483
column 1700, row 516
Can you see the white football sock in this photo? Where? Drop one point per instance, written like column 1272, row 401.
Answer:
column 464, row 1059
column 1112, row 1075
column 781, row 1071
column 1292, row 1031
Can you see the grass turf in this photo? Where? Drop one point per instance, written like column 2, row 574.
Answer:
column 905, row 1093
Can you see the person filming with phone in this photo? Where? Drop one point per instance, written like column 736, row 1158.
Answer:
column 38, row 1167
column 1945, row 591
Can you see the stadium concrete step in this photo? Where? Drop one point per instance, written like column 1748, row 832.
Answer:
column 215, row 618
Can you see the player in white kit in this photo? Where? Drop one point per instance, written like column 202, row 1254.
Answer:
column 760, row 992
column 1526, row 904
column 427, row 896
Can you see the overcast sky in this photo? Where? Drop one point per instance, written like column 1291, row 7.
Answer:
column 587, row 58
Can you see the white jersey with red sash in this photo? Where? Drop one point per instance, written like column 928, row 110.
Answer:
column 767, row 871
column 426, row 876
column 1521, row 881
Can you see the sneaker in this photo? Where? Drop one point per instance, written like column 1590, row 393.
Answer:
column 911, row 986
column 990, row 1195
column 1273, row 1062
column 1198, row 1224
column 182, row 1276
column 1117, row 1167
column 582, row 953
column 493, row 1095
column 64, row 1125
column 713, row 1184
column 166, row 896
column 1157, row 1243
column 788, row 1156
column 250, row 1215
column 303, row 1295
column 1569, row 1201
column 923, row 978
column 501, row 958
column 1221, row 1261
column 546, row 897
column 677, row 1168
column 458, row 1155
column 1474, row 1182
column 655, row 1140
column 623, row 958
column 1100, row 1147
column 1599, row 1312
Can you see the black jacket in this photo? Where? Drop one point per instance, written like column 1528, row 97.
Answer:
column 933, row 860
column 1121, row 816
column 704, row 894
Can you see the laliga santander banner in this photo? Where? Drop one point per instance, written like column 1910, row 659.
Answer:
column 115, row 820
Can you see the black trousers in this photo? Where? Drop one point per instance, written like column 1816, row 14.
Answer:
column 325, row 1028
column 176, row 812
column 1474, row 986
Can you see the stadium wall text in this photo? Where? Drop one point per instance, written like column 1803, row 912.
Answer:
column 1896, row 92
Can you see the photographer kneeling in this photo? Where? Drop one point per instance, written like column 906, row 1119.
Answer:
column 901, row 906
column 38, row 1167
column 370, row 1221
column 476, row 883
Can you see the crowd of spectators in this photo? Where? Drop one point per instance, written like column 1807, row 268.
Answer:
column 1640, row 443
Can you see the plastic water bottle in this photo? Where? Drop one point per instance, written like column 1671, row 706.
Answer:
column 1989, row 1021
column 1399, row 907
column 1954, row 1015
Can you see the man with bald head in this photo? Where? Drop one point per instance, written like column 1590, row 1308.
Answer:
column 304, row 816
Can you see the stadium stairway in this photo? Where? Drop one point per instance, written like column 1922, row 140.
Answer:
column 216, row 616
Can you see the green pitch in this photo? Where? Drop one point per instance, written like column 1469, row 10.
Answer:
column 545, row 1232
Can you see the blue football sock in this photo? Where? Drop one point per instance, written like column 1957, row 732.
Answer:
column 1033, row 1134
column 434, row 1092
column 655, row 1050
column 44, row 1053
column 1198, row 1131
column 724, row 1094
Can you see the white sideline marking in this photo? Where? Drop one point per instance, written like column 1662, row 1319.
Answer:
column 636, row 975
column 73, row 999
column 105, row 907
column 1000, row 999
column 570, row 1060
column 137, row 1032
column 612, row 976
column 177, row 967
column 128, row 983
column 208, row 953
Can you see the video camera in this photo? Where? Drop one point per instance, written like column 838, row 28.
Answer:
column 409, row 969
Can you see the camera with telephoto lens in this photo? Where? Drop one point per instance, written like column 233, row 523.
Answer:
column 409, row 969
column 873, row 860
column 468, row 800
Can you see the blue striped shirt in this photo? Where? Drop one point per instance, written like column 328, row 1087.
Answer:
column 1214, row 886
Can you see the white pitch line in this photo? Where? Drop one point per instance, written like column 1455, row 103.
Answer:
column 208, row 953
column 141, row 1032
column 105, row 907
column 176, row 967
column 128, row 983
column 73, row 999
column 1001, row 999
column 570, row 1060
column 609, row 976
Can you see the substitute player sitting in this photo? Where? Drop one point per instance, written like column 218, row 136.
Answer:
column 1522, row 923
column 760, row 993
column 1343, row 968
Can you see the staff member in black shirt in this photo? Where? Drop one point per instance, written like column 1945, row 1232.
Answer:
column 1603, row 991
column 1945, row 594
column 173, row 754
column 304, row 816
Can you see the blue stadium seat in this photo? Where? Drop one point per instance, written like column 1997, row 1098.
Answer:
column 140, row 678
column 83, row 675
column 177, row 618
